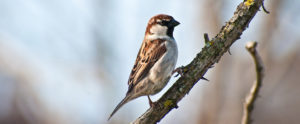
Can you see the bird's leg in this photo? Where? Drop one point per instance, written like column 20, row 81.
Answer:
column 179, row 70
column 150, row 101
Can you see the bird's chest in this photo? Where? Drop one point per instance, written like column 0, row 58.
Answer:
column 164, row 66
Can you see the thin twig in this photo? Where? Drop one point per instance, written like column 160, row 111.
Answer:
column 265, row 10
column 229, row 51
column 211, row 53
column 252, row 96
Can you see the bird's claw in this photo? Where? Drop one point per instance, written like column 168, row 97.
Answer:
column 152, row 104
column 179, row 71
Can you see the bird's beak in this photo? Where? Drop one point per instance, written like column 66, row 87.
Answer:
column 173, row 23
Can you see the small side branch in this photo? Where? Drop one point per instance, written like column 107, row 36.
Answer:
column 206, row 38
column 250, row 99
column 265, row 10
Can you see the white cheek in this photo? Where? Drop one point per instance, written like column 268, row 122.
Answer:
column 159, row 30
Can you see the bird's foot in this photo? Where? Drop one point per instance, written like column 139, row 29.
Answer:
column 152, row 104
column 179, row 70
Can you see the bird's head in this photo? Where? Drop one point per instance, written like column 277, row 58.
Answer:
column 161, row 25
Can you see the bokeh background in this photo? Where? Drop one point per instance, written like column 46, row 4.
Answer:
column 68, row 62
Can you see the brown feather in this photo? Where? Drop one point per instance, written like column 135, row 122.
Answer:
column 151, row 53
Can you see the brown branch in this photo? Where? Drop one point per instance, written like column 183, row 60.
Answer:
column 206, row 38
column 210, row 54
column 250, row 99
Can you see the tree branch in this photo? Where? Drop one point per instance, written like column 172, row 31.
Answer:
column 210, row 54
column 250, row 99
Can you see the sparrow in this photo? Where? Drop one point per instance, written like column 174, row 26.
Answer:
column 155, row 61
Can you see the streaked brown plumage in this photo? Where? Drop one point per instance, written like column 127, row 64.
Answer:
column 155, row 61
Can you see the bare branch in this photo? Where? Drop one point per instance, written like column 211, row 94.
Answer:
column 210, row 54
column 250, row 99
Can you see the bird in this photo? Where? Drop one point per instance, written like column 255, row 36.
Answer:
column 155, row 61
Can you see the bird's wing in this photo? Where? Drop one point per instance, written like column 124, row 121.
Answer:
column 149, row 54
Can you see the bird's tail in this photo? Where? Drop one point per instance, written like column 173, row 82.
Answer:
column 125, row 100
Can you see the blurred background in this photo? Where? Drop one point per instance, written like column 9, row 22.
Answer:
column 68, row 62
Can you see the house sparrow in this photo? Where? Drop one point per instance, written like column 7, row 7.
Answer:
column 155, row 61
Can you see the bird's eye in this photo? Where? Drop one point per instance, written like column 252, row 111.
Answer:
column 164, row 22
column 160, row 22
